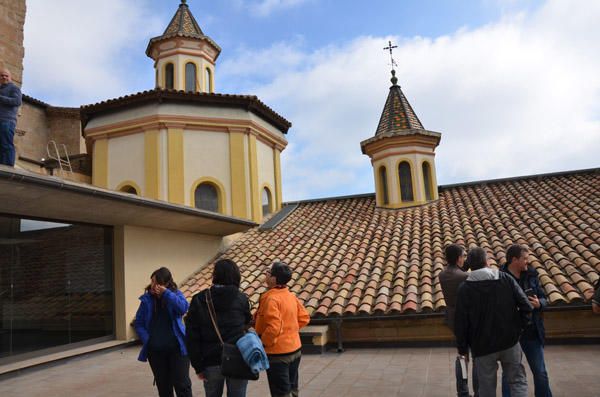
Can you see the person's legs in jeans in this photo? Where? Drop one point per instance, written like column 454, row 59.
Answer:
column 213, row 384
column 7, row 147
column 159, row 362
column 180, row 374
column 236, row 387
column 512, row 366
column 486, row 367
column 534, row 352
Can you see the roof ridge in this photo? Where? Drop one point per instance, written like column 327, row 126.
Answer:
column 471, row 183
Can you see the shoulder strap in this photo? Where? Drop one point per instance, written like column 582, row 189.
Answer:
column 213, row 314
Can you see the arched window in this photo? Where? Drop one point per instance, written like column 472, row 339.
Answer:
column 209, row 87
column 383, row 184
column 169, row 76
column 406, row 188
column 190, row 77
column 427, row 181
column 128, row 189
column 206, row 197
column 266, row 202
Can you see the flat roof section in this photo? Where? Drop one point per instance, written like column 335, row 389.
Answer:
column 28, row 194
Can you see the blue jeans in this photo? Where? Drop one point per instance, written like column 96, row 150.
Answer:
column 215, row 381
column 7, row 147
column 534, row 352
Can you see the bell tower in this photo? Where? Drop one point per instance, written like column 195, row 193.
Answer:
column 184, row 57
column 402, row 153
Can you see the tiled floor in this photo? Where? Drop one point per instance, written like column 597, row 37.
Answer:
column 409, row 372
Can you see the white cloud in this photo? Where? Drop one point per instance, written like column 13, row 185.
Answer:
column 514, row 97
column 82, row 51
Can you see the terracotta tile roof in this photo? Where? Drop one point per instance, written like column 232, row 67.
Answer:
column 350, row 258
column 397, row 113
column 247, row 102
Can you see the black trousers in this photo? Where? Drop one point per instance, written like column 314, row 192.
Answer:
column 171, row 371
column 283, row 375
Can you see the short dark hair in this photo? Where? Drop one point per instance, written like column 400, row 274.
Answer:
column 281, row 272
column 226, row 272
column 164, row 277
column 476, row 258
column 515, row 251
column 453, row 252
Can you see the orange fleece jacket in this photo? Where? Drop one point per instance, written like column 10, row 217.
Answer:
column 279, row 318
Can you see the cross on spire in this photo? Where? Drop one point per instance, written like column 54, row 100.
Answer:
column 391, row 48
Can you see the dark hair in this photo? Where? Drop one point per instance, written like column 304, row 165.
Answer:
column 476, row 259
column 164, row 277
column 453, row 252
column 515, row 251
column 281, row 272
column 226, row 272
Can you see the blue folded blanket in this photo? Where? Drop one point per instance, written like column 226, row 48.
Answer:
column 253, row 352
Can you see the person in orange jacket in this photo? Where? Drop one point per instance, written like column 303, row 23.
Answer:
column 279, row 317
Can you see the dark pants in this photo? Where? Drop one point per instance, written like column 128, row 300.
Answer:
column 215, row 381
column 7, row 148
column 283, row 375
column 462, row 384
column 171, row 371
column 534, row 352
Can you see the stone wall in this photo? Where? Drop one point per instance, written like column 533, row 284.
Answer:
column 32, row 131
column 12, row 20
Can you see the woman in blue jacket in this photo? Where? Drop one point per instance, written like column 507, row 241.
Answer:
column 159, row 324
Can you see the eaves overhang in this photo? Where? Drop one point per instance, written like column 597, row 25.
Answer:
column 28, row 194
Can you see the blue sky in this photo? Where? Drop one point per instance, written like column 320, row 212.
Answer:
column 512, row 85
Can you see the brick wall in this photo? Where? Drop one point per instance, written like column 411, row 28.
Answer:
column 65, row 128
column 12, row 20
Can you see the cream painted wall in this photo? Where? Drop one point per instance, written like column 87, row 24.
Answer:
column 172, row 109
column 140, row 251
column 123, row 115
column 164, row 169
column 266, row 169
column 126, row 161
column 206, row 154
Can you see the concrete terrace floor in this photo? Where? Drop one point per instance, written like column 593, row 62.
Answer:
column 410, row 372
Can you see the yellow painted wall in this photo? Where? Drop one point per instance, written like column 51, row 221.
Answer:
column 176, row 170
column 100, row 163
column 140, row 251
column 238, row 158
column 153, row 161
column 126, row 160
column 266, row 170
column 254, row 186
column 207, row 154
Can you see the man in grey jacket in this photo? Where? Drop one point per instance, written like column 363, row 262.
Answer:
column 10, row 100
column 450, row 279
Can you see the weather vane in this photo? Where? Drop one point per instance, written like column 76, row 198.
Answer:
column 391, row 47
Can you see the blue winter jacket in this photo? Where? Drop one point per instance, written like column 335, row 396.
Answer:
column 177, row 306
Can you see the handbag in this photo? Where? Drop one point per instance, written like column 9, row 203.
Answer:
column 232, row 362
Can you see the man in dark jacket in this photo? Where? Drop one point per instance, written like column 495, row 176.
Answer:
column 532, row 339
column 491, row 311
column 10, row 100
column 450, row 279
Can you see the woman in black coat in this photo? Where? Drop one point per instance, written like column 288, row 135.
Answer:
column 232, row 311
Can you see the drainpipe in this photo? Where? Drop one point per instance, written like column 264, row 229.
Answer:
column 338, row 333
